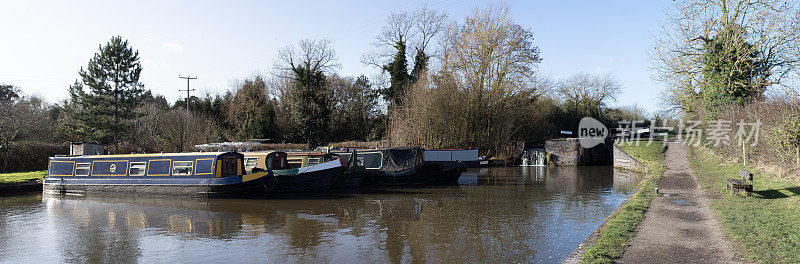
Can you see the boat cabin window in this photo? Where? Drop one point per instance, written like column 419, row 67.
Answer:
column 82, row 169
column 137, row 169
column 250, row 163
column 312, row 161
column 371, row 160
column 182, row 168
column 295, row 162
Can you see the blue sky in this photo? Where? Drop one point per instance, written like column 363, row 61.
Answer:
column 45, row 43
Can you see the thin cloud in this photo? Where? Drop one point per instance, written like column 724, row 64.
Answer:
column 150, row 64
column 172, row 46
column 600, row 70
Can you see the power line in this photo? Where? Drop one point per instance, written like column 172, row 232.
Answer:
column 186, row 121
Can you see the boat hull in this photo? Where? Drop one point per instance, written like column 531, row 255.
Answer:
column 233, row 187
column 422, row 175
column 350, row 179
column 318, row 178
column 450, row 173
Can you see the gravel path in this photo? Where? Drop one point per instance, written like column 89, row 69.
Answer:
column 679, row 227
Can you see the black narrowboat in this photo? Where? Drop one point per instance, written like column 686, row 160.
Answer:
column 395, row 167
column 353, row 172
column 205, row 174
column 302, row 172
column 449, row 173
column 401, row 166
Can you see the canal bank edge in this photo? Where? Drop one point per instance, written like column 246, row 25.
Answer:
column 634, row 212
column 11, row 189
column 17, row 183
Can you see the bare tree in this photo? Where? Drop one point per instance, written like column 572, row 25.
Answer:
column 148, row 136
column 316, row 55
column 587, row 95
column 397, row 29
column 21, row 117
column 490, row 53
column 766, row 32
column 486, row 91
column 249, row 109
column 417, row 30
column 204, row 130
column 280, row 90
column 587, row 89
column 429, row 24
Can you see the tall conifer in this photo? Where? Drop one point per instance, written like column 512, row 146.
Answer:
column 106, row 110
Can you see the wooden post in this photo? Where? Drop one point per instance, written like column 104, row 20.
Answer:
column 744, row 154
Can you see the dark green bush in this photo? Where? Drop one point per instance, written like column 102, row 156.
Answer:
column 30, row 155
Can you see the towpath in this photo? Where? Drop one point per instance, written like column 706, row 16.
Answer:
column 679, row 227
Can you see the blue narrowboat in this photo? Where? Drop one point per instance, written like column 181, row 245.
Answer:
column 205, row 174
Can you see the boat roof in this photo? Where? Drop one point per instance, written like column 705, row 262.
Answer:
column 309, row 153
column 151, row 155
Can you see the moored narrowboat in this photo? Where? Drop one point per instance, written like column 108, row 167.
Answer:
column 352, row 174
column 467, row 157
column 302, row 172
column 450, row 173
column 396, row 167
column 174, row 174
column 403, row 166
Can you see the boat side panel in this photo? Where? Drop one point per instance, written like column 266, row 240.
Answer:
column 109, row 168
column 203, row 166
column 61, row 168
column 259, row 186
column 159, row 167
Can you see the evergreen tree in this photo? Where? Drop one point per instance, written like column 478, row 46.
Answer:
column 311, row 108
column 398, row 71
column 310, row 96
column 354, row 107
column 264, row 123
column 8, row 92
column 106, row 110
column 420, row 65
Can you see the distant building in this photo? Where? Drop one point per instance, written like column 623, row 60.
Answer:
column 84, row 148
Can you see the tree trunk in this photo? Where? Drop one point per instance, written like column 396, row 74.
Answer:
column 116, row 117
column 4, row 151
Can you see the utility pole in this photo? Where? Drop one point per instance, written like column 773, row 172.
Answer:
column 186, row 120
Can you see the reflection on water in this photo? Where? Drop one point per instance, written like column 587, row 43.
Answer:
column 527, row 214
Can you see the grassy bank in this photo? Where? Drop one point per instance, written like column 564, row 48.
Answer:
column 17, row 177
column 766, row 226
column 622, row 225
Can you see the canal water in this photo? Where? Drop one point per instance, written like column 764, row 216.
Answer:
column 499, row 215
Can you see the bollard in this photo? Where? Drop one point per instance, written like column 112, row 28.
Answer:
column 656, row 190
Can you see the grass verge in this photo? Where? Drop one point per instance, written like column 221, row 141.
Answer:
column 766, row 227
column 622, row 225
column 18, row 177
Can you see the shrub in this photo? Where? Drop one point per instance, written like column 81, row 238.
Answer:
column 784, row 137
column 30, row 155
column 776, row 148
